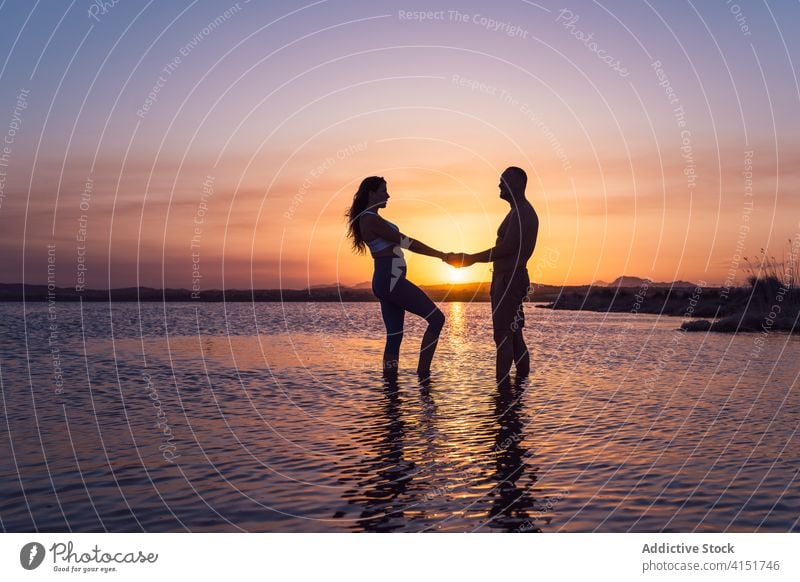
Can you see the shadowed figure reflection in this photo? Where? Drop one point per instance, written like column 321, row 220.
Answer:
column 428, row 418
column 512, row 507
column 384, row 478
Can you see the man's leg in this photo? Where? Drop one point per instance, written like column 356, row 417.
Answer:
column 501, row 328
column 522, row 358
column 504, row 343
column 508, row 318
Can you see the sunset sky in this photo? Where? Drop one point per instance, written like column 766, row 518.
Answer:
column 229, row 138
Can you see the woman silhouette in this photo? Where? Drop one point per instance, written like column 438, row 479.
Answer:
column 366, row 228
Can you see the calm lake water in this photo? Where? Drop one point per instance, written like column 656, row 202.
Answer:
column 274, row 417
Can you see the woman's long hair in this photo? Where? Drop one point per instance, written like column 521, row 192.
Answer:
column 357, row 208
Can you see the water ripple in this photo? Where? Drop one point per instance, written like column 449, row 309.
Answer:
column 270, row 417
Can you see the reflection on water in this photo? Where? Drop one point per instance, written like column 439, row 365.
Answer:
column 384, row 477
column 512, row 500
column 393, row 492
column 275, row 418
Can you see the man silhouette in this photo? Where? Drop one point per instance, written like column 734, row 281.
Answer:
column 516, row 239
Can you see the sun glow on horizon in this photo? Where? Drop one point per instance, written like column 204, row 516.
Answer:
column 456, row 275
column 425, row 272
column 607, row 166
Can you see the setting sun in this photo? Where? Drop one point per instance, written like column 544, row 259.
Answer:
column 456, row 275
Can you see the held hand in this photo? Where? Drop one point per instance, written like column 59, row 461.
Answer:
column 467, row 260
column 458, row 260
column 452, row 259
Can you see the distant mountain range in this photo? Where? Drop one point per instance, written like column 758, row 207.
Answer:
column 328, row 292
column 362, row 285
column 631, row 281
column 621, row 281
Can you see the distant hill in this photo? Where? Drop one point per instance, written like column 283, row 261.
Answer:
column 332, row 292
column 632, row 281
column 324, row 292
column 677, row 285
column 628, row 281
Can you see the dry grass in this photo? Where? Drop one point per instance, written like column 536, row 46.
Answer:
column 768, row 272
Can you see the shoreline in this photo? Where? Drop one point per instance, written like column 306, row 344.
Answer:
column 702, row 309
column 615, row 299
column 733, row 310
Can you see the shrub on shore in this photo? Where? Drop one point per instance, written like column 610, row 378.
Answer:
column 771, row 303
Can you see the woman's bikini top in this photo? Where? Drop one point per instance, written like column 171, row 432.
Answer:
column 378, row 244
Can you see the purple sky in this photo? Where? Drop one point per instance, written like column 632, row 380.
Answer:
column 660, row 138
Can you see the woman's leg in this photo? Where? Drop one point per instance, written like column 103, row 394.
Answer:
column 410, row 297
column 393, row 316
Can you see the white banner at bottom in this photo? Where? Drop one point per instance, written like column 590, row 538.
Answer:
column 396, row 557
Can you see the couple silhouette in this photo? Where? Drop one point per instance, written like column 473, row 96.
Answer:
column 516, row 239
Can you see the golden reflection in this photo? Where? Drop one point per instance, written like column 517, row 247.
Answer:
column 456, row 320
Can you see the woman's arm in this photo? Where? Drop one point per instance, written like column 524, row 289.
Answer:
column 421, row 248
column 377, row 227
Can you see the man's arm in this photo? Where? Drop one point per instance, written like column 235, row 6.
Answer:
column 507, row 246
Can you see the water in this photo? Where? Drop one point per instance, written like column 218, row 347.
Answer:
column 273, row 417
